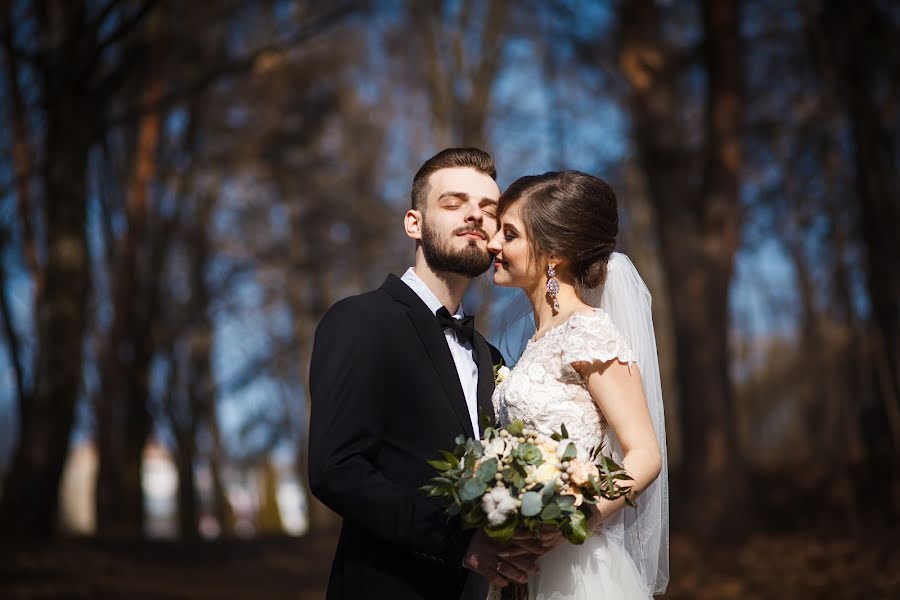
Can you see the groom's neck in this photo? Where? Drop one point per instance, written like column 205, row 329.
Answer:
column 449, row 288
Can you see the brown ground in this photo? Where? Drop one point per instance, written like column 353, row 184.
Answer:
column 762, row 567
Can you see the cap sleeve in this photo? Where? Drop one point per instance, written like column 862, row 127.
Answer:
column 592, row 336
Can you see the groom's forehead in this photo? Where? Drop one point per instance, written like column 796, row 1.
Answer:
column 463, row 180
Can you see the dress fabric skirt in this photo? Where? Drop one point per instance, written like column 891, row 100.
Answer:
column 598, row 569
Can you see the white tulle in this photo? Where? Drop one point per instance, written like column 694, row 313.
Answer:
column 629, row 556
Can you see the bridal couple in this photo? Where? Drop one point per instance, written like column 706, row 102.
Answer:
column 399, row 372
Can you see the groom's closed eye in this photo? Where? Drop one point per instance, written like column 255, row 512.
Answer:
column 452, row 200
column 489, row 207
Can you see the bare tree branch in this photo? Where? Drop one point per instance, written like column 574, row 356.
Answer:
column 226, row 66
column 10, row 335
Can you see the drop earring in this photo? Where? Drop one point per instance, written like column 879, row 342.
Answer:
column 552, row 286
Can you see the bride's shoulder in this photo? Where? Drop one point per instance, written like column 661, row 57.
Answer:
column 592, row 335
column 591, row 319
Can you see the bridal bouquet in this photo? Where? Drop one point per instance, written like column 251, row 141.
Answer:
column 518, row 478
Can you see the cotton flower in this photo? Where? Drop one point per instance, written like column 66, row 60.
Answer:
column 498, row 505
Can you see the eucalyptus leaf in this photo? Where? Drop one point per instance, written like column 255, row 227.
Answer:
column 551, row 511
column 487, row 470
column 548, row 491
column 531, row 504
column 571, row 452
column 566, row 501
column 469, row 461
column 471, row 489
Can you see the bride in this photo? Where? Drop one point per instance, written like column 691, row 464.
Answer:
column 592, row 366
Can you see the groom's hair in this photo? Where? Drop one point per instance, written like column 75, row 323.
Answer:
column 474, row 158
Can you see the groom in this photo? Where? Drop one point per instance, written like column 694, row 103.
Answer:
column 396, row 375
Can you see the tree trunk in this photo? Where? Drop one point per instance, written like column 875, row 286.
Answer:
column 187, row 491
column 698, row 232
column 851, row 52
column 221, row 505
column 123, row 417
column 31, row 491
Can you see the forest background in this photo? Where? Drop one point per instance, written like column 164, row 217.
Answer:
column 186, row 187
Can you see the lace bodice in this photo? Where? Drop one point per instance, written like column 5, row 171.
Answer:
column 545, row 391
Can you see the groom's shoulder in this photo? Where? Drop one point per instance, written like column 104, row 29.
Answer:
column 367, row 307
column 496, row 356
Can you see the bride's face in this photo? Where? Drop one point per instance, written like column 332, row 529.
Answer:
column 512, row 264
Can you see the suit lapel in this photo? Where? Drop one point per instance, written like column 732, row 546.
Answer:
column 485, row 377
column 435, row 343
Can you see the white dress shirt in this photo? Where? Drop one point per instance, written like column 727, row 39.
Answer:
column 463, row 356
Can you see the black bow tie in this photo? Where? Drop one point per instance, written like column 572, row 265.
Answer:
column 463, row 328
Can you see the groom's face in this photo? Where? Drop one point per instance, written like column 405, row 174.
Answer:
column 460, row 217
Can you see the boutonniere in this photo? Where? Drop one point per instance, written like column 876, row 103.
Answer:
column 501, row 372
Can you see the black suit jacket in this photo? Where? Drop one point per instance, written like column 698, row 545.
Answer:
column 385, row 398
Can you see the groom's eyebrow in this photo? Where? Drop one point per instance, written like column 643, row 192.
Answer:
column 465, row 197
column 461, row 195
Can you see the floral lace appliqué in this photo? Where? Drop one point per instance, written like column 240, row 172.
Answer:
column 545, row 391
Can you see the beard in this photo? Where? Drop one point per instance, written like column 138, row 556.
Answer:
column 469, row 262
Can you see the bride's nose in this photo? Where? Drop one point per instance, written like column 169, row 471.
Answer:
column 495, row 245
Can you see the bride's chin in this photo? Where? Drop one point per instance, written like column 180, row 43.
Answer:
column 500, row 281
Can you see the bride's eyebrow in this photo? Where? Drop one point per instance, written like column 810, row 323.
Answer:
column 510, row 227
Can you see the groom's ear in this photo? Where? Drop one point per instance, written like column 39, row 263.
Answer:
column 412, row 223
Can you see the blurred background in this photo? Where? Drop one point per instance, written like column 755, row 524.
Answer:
column 186, row 187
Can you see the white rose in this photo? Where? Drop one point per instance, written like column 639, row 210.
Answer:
column 498, row 505
column 546, row 472
column 497, row 447
column 502, row 373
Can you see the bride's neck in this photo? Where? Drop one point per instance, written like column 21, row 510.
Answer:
column 545, row 316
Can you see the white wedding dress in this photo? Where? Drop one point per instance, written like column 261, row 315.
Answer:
column 546, row 392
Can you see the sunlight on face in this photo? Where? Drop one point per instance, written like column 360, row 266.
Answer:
column 459, row 219
column 513, row 266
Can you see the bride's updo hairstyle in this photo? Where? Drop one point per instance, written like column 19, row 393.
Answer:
column 570, row 215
